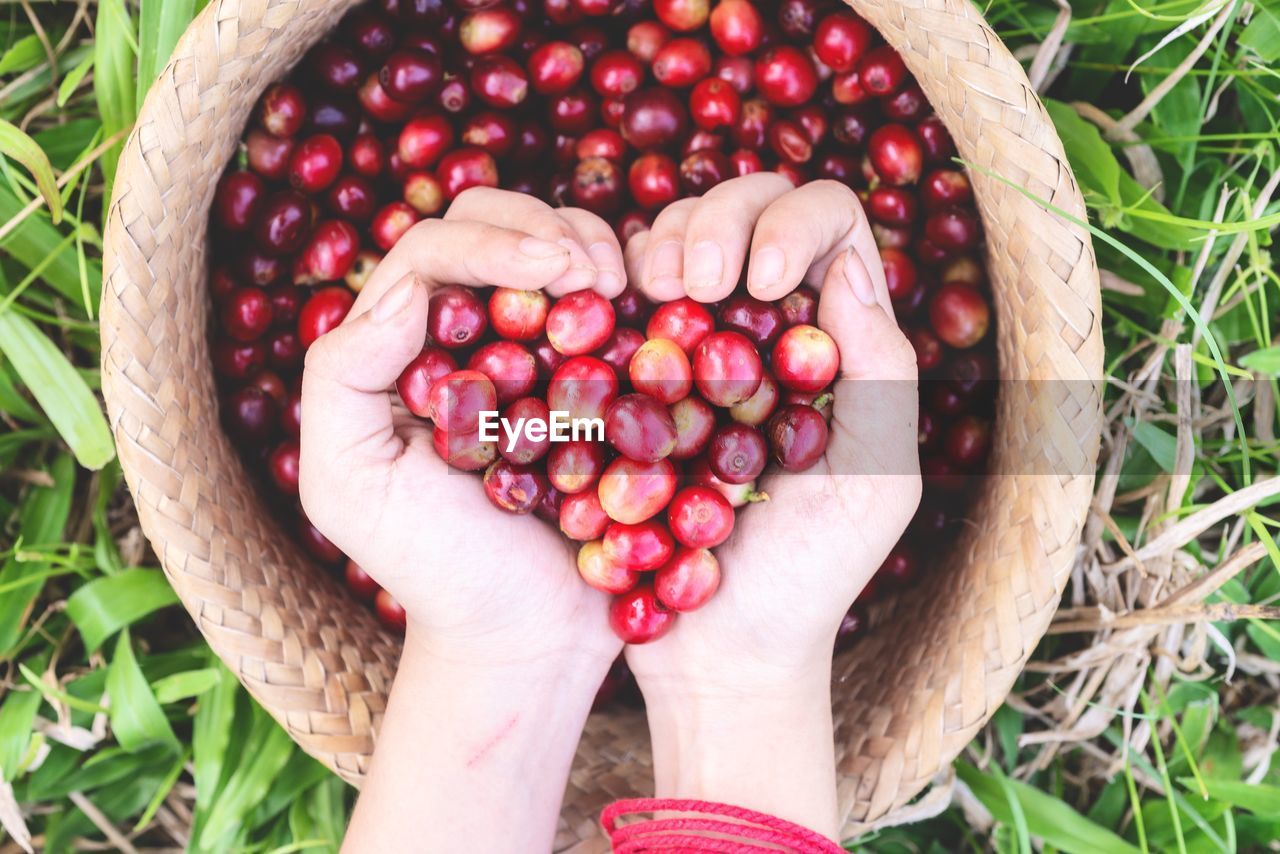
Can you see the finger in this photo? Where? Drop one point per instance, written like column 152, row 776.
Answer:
column 802, row 231
column 633, row 255
column 662, row 271
column 719, row 231
column 528, row 214
column 602, row 247
column 440, row 252
column 347, row 417
column 876, row 395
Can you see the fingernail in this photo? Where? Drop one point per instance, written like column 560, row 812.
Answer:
column 706, row 266
column 394, row 301
column 667, row 261
column 602, row 255
column 855, row 273
column 767, row 267
column 540, row 249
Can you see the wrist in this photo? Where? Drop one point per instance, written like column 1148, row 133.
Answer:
column 762, row 740
column 499, row 657
column 465, row 738
column 569, row 675
column 715, row 678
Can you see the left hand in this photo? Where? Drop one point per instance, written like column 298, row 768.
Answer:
column 480, row 586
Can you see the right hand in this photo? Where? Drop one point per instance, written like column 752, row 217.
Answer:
column 796, row 562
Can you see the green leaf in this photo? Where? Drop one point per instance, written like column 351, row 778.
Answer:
column 106, row 605
column 1178, row 112
column 13, row 402
column 1264, row 361
column 66, row 142
column 1047, row 818
column 47, row 508
column 55, row 695
column 162, row 792
column 105, row 767
column 210, row 735
column 106, row 555
column 16, row 145
column 1258, row 798
column 270, row 747
column 114, row 85
column 1262, row 36
column 161, row 23
column 26, row 53
column 1162, row 446
column 17, row 719
column 1091, row 157
column 35, row 242
column 118, row 803
column 44, row 516
column 61, row 392
column 1116, row 42
column 136, row 718
column 183, row 686
column 301, row 773
column 1266, row 637
column 71, row 82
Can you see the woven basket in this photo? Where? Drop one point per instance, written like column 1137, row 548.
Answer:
column 906, row 702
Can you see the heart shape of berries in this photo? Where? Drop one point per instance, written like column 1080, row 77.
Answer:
column 638, row 429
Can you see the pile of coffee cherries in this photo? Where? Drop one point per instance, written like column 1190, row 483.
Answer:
column 620, row 107
column 674, row 389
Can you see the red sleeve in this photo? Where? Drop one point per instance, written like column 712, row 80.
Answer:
column 693, row 826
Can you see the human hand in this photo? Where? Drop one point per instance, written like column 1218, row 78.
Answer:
column 505, row 646
column 795, row 562
column 738, row 691
column 479, row 586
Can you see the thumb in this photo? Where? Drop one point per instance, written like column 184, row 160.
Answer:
column 876, row 397
column 346, row 408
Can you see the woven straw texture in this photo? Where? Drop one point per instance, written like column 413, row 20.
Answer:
column 906, row 702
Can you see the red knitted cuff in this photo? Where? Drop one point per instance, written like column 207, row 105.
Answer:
column 731, row 829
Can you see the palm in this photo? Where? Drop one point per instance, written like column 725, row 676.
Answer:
column 792, row 566
column 465, row 568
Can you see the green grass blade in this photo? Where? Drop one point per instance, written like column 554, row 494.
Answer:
column 114, row 76
column 1135, row 803
column 16, row 145
column 185, row 685
column 210, row 735
column 106, row 605
column 35, row 241
column 1163, row 768
column 57, row 695
column 162, row 792
column 137, row 721
column 270, row 747
column 1262, row 35
column 17, row 719
column 1047, row 817
column 1261, row 799
column 61, row 392
column 71, row 82
column 160, row 24
column 26, row 53
column 1264, row 361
